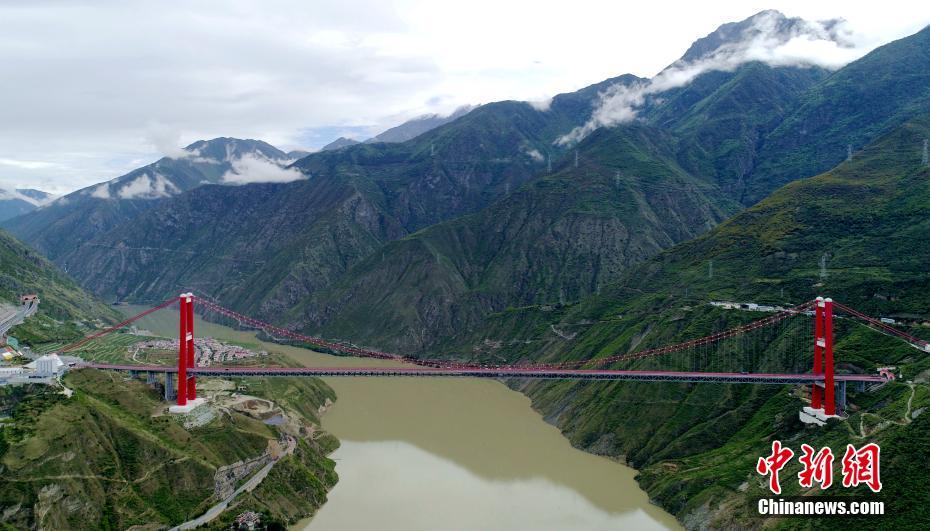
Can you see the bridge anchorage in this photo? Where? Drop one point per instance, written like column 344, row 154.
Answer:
column 781, row 340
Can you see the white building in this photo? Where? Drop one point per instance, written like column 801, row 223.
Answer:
column 48, row 365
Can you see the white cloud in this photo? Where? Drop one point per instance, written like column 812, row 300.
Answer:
column 541, row 105
column 258, row 169
column 13, row 194
column 102, row 191
column 28, row 164
column 147, row 187
column 167, row 141
column 534, row 154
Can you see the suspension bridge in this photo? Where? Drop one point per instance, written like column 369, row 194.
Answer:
column 781, row 348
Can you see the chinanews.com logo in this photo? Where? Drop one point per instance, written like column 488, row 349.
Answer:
column 860, row 466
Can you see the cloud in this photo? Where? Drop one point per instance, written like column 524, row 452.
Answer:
column 258, row 169
column 147, row 187
column 166, row 140
column 280, row 69
column 534, row 154
column 829, row 44
column 15, row 194
column 28, row 164
column 101, row 192
column 541, row 105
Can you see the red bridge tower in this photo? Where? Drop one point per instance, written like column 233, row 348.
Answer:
column 822, row 395
column 187, row 387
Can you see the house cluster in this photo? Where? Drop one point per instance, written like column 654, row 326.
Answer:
column 746, row 306
column 207, row 351
column 247, row 520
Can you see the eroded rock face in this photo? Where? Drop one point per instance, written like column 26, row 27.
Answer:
column 227, row 477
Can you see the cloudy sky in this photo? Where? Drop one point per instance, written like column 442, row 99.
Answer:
column 93, row 89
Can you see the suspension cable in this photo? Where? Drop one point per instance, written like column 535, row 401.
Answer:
column 85, row 340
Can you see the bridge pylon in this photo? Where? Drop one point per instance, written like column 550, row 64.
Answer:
column 187, row 386
column 823, row 396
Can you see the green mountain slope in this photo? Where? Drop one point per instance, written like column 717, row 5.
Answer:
column 851, row 107
column 722, row 118
column 439, row 283
column 558, row 237
column 66, row 310
column 266, row 247
column 100, row 459
column 283, row 246
column 869, row 217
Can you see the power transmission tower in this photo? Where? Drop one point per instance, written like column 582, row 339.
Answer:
column 617, row 179
column 823, row 266
column 548, row 162
column 710, row 269
column 925, row 160
column 848, row 152
column 432, row 150
column 576, row 158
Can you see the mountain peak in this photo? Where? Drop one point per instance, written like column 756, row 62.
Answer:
column 339, row 143
column 227, row 149
column 769, row 28
column 417, row 126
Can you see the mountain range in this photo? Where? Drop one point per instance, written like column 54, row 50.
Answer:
column 861, row 220
column 488, row 210
column 482, row 237
column 73, row 219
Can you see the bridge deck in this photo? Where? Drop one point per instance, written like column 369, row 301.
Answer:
column 514, row 372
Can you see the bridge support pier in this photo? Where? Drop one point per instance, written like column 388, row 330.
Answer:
column 150, row 378
column 170, row 392
column 841, row 396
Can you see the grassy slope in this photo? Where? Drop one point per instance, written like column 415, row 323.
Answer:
column 560, row 236
column 65, row 311
column 855, row 105
column 869, row 216
column 99, row 459
column 722, row 119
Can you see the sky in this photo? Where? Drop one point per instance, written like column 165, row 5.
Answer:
column 91, row 90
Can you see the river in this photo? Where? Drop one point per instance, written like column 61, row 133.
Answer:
column 450, row 453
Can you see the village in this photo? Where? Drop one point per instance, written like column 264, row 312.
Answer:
column 207, row 351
